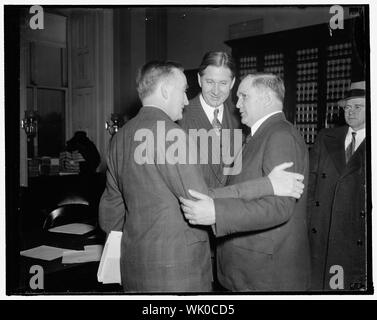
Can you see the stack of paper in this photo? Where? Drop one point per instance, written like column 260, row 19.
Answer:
column 43, row 252
column 109, row 268
column 90, row 253
column 73, row 228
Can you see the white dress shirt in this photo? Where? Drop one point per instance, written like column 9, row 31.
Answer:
column 360, row 136
column 257, row 124
column 209, row 110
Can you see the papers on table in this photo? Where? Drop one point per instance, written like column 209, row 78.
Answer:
column 43, row 252
column 73, row 228
column 109, row 267
column 90, row 253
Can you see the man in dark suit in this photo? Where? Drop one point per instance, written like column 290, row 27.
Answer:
column 160, row 251
column 213, row 109
column 262, row 244
column 336, row 206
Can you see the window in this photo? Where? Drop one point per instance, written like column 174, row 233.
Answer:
column 47, row 84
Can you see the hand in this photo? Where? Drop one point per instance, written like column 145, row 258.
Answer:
column 286, row 184
column 201, row 211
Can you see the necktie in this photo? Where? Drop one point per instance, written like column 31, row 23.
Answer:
column 216, row 124
column 351, row 147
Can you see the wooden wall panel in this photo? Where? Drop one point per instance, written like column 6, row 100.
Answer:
column 83, row 111
column 92, row 75
column 83, row 53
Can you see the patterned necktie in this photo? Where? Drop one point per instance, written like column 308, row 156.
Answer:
column 216, row 124
column 351, row 147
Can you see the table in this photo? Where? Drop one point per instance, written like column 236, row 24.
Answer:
column 59, row 278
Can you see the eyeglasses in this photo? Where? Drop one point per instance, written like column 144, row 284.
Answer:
column 353, row 108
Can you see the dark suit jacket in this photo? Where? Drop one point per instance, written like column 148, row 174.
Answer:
column 194, row 117
column 336, row 207
column 263, row 243
column 160, row 251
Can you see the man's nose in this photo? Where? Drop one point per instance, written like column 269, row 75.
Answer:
column 351, row 111
column 185, row 100
column 215, row 88
column 238, row 104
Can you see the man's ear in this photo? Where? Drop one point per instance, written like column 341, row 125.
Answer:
column 266, row 96
column 199, row 80
column 164, row 89
column 232, row 84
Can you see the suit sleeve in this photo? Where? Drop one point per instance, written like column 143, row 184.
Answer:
column 182, row 175
column 191, row 175
column 238, row 215
column 111, row 208
column 248, row 190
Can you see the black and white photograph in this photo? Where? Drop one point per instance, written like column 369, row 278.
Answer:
column 193, row 150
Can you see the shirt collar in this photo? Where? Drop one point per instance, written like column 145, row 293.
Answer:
column 209, row 110
column 360, row 132
column 360, row 136
column 257, row 124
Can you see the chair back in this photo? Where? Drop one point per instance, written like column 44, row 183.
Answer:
column 73, row 199
column 70, row 213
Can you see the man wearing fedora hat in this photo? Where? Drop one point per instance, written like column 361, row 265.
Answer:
column 336, row 201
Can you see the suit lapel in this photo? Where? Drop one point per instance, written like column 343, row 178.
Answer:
column 199, row 117
column 228, row 118
column 334, row 142
column 356, row 161
column 198, row 114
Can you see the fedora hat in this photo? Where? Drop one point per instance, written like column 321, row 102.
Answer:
column 356, row 90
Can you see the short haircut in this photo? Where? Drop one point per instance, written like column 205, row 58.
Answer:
column 218, row 59
column 270, row 82
column 152, row 73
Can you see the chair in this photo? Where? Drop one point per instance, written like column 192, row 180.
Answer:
column 73, row 199
column 70, row 213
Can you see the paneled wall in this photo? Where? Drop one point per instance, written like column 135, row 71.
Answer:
column 92, row 75
column 83, row 112
column 129, row 55
column 191, row 31
column 156, row 33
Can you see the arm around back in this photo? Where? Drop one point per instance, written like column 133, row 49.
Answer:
column 238, row 215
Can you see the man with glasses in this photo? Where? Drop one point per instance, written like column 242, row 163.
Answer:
column 336, row 201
